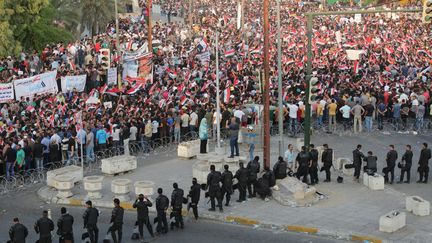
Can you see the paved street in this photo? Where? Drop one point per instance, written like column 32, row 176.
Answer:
column 28, row 208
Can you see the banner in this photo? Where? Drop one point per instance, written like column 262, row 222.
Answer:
column 6, row 92
column 138, row 64
column 112, row 76
column 39, row 84
column 68, row 83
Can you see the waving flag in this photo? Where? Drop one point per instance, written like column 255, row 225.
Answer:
column 229, row 53
column 227, row 94
column 134, row 89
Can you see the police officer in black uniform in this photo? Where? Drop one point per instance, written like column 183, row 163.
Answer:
column 280, row 168
column 176, row 204
column 90, row 221
column 43, row 227
column 65, row 226
column 406, row 164
column 18, row 232
column 423, row 169
column 242, row 177
column 303, row 163
column 214, row 189
column 327, row 159
column 313, row 169
column 194, row 194
column 227, row 184
column 253, row 168
column 358, row 157
column 162, row 204
column 391, row 163
column 117, row 221
column 142, row 204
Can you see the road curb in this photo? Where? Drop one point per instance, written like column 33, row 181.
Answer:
column 45, row 194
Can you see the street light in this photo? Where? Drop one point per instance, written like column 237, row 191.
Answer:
column 279, row 66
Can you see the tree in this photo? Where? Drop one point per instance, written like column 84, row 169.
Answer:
column 96, row 14
column 67, row 16
column 8, row 46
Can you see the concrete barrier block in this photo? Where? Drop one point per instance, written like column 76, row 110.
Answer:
column 93, row 186
column 118, row 164
column 75, row 171
column 366, row 179
column 418, row 206
column 376, row 182
column 340, row 165
column 64, row 185
column 144, row 187
column 392, row 221
column 200, row 170
column 189, row 149
column 121, row 189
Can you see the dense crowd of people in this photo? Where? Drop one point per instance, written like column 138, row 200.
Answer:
column 390, row 80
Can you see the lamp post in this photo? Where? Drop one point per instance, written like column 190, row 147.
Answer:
column 266, row 85
column 217, row 92
column 279, row 66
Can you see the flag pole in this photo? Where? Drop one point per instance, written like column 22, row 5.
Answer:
column 279, row 66
column 266, row 85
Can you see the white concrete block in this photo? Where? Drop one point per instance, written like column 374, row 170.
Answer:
column 418, row 206
column 366, row 179
column 376, row 182
column 75, row 171
column 118, row 164
column 220, row 151
column 200, row 170
column 93, row 186
column 189, row 149
column 121, row 189
column 64, row 185
column 144, row 187
column 342, row 162
column 392, row 221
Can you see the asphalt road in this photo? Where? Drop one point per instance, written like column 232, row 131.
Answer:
column 28, row 208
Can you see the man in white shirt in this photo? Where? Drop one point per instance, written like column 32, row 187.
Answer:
column 292, row 113
column 238, row 113
column 133, row 133
column 346, row 111
column 193, row 122
column 214, row 122
column 184, row 123
column 290, row 156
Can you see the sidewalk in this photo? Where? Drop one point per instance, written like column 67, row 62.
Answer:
column 351, row 212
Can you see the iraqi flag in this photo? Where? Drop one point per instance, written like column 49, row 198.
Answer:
column 423, row 52
column 205, row 86
column 388, row 50
column 113, row 91
column 30, row 109
column 172, row 73
column 291, row 45
column 356, row 66
column 183, row 100
column 320, row 42
column 134, row 89
column 227, row 94
column 162, row 103
column 202, row 45
column 103, row 89
column 343, row 67
column 350, row 45
column 229, row 53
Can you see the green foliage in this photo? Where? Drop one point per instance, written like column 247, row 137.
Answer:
column 28, row 25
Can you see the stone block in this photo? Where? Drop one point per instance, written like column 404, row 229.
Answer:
column 189, row 149
column 418, row 206
column 144, row 187
column 376, row 182
column 293, row 185
column 342, row 162
column 366, row 179
column 121, row 188
column 64, row 185
column 75, row 171
column 392, row 221
column 220, row 151
column 93, row 186
column 200, row 170
column 234, row 160
column 118, row 164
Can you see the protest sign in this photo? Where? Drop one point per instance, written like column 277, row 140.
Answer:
column 6, row 92
column 69, row 83
column 39, row 84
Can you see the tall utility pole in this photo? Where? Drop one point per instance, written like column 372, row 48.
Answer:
column 218, row 113
column 309, row 34
column 149, row 30
column 266, row 85
column 279, row 66
column 119, row 79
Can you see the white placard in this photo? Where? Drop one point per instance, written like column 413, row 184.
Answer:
column 69, row 83
column 112, row 76
column 6, row 92
column 39, row 84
